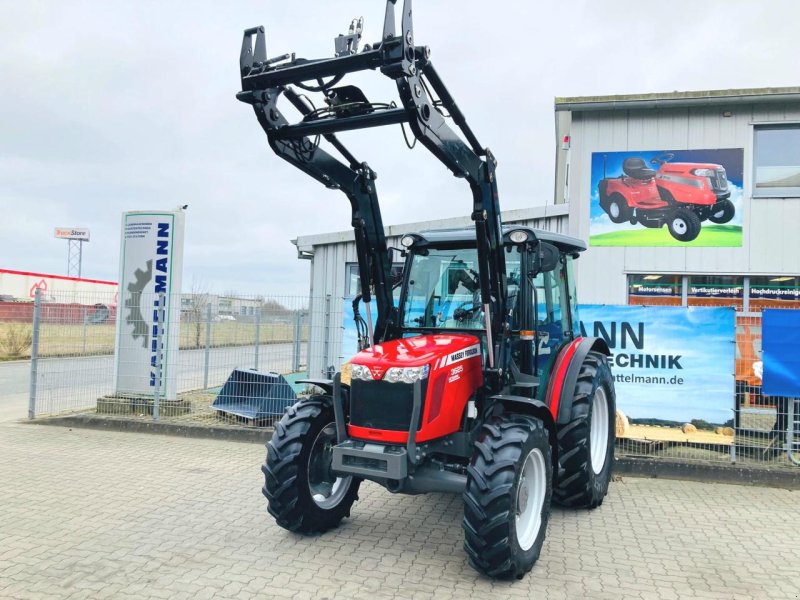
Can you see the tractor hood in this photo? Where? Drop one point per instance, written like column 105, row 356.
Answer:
column 435, row 350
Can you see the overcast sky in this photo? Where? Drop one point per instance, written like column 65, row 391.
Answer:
column 114, row 106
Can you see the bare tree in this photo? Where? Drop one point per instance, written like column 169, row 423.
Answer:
column 194, row 310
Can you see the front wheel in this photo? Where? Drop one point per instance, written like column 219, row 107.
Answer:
column 303, row 494
column 684, row 225
column 618, row 209
column 507, row 498
column 723, row 212
column 586, row 443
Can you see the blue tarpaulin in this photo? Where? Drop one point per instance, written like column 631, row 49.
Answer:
column 781, row 344
column 254, row 395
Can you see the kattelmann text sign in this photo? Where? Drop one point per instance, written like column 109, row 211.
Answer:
column 671, row 365
column 151, row 262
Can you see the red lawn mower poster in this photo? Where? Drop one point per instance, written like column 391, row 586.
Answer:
column 667, row 198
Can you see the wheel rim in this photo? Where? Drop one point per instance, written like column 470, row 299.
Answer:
column 531, row 492
column 326, row 489
column 719, row 214
column 598, row 435
column 679, row 225
column 614, row 210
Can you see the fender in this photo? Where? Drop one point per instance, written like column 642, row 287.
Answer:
column 565, row 375
column 535, row 408
column 325, row 385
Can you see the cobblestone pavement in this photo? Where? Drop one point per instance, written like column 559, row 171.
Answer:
column 93, row 514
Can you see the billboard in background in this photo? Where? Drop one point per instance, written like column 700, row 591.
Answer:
column 671, row 365
column 667, row 198
column 72, row 233
column 151, row 264
column 781, row 340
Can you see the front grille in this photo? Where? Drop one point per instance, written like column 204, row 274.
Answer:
column 383, row 405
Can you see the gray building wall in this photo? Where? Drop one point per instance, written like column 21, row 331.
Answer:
column 771, row 244
column 331, row 253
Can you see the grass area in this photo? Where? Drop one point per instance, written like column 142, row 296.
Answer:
column 729, row 236
column 78, row 340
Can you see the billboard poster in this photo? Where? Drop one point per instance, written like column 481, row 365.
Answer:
column 667, row 198
column 781, row 339
column 672, row 366
column 151, row 264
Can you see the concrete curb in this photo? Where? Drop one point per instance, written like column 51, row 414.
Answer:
column 625, row 466
column 707, row 472
column 231, row 434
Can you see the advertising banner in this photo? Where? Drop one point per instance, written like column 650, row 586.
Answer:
column 671, row 365
column 781, row 340
column 151, row 264
column 667, row 198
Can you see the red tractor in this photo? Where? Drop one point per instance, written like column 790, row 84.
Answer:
column 477, row 382
column 682, row 195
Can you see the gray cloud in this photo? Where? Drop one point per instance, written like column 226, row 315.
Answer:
column 120, row 106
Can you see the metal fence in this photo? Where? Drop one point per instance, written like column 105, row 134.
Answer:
column 247, row 342
column 79, row 361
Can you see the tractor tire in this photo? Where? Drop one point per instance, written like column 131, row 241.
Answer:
column 724, row 212
column 508, row 494
column 617, row 209
column 684, row 225
column 586, row 443
column 302, row 493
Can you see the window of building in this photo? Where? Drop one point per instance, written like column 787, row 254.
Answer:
column 353, row 282
column 716, row 290
column 655, row 290
column 776, row 161
column 774, row 292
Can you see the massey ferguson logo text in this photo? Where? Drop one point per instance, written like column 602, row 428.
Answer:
column 159, row 314
column 462, row 355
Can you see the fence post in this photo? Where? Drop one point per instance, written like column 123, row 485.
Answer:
column 208, row 346
column 37, row 309
column 159, row 355
column 258, row 335
column 296, row 349
column 84, row 329
column 327, row 333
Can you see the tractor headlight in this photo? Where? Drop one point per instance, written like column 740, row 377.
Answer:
column 518, row 236
column 407, row 374
column 407, row 241
column 703, row 172
column 360, row 372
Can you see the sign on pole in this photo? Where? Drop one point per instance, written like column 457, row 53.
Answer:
column 151, row 264
column 72, row 233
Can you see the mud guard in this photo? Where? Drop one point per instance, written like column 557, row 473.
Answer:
column 565, row 375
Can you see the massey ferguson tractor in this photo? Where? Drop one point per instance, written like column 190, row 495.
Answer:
column 476, row 382
column 680, row 195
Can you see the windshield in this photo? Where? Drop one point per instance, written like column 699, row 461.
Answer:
column 444, row 289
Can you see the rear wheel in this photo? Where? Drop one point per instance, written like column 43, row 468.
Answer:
column 684, row 225
column 722, row 212
column 618, row 209
column 303, row 494
column 586, row 443
column 507, row 498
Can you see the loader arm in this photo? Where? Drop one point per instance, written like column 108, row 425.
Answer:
column 424, row 102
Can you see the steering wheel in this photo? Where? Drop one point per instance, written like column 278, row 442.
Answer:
column 462, row 313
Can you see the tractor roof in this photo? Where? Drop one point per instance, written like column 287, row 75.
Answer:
column 564, row 243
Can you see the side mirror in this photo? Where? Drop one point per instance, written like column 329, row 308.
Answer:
column 545, row 257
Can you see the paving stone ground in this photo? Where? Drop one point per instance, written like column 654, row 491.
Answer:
column 95, row 514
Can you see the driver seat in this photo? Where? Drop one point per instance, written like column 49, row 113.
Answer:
column 636, row 168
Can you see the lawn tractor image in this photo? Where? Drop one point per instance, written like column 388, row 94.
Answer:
column 680, row 195
column 455, row 389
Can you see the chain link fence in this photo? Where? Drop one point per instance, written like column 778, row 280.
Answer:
column 239, row 359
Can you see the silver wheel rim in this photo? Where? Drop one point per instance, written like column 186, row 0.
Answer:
column 614, row 210
column 326, row 489
column 719, row 214
column 531, row 492
column 598, row 434
column 679, row 225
